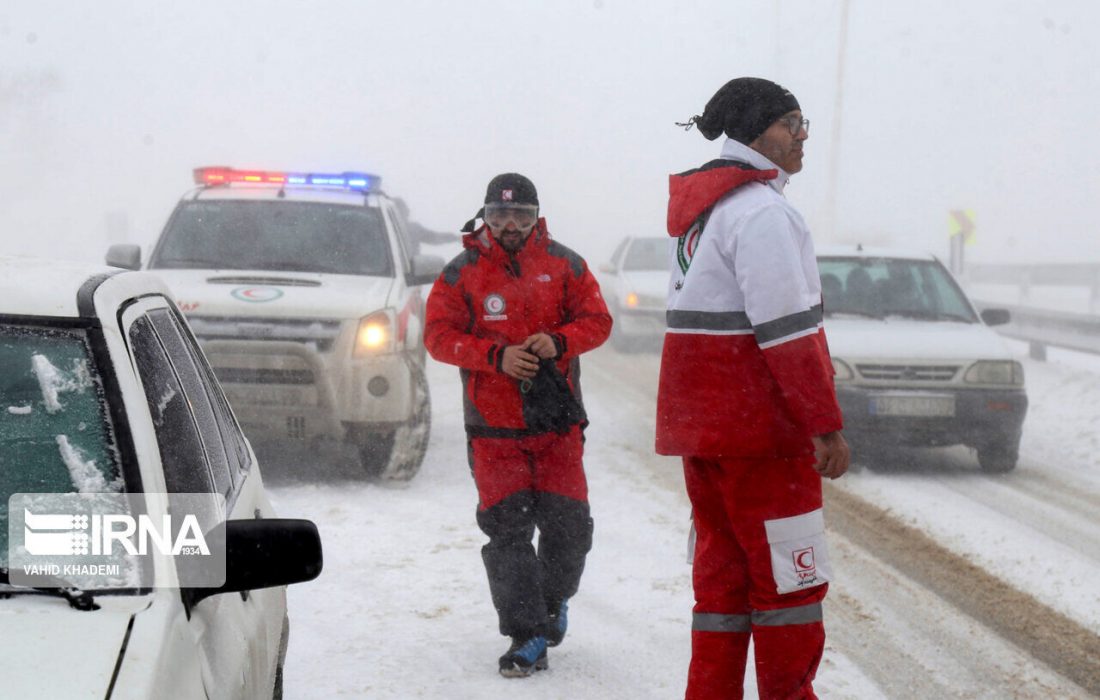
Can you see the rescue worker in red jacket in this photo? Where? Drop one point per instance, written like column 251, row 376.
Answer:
column 515, row 310
column 746, row 397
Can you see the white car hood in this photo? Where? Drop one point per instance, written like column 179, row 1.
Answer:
column 50, row 649
column 909, row 339
column 268, row 294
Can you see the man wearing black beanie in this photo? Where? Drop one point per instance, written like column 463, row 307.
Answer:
column 515, row 311
column 746, row 398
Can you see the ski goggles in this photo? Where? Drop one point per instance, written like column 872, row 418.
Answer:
column 522, row 216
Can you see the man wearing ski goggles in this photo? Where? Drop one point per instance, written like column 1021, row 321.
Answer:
column 518, row 216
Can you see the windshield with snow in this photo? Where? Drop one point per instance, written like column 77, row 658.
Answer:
column 279, row 236
column 55, row 434
column 883, row 287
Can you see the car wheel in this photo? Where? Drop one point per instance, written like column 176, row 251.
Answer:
column 410, row 441
column 997, row 460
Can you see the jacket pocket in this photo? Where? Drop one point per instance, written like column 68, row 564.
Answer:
column 800, row 559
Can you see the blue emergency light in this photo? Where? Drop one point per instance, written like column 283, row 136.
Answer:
column 218, row 175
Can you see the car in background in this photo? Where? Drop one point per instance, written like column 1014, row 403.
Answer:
column 106, row 391
column 304, row 294
column 915, row 362
column 635, row 285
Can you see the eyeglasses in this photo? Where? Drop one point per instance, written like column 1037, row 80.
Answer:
column 523, row 216
column 795, row 124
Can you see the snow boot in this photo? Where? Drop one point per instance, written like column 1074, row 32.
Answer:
column 556, row 624
column 524, row 657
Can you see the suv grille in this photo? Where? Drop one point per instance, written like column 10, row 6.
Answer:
column 909, row 373
column 320, row 334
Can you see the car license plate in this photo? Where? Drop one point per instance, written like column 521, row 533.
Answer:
column 937, row 406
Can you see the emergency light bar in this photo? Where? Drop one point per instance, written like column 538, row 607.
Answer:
column 351, row 181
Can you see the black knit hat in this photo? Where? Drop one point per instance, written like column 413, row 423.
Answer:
column 743, row 109
column 511, row 188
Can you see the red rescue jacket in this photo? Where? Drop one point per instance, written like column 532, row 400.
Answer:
column 486, row 299
column 745, row 370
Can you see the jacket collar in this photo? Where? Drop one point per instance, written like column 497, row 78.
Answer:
column 735, row 150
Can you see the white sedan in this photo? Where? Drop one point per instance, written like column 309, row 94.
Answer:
column 107, row 392
column 915, row 362
column 635, row 284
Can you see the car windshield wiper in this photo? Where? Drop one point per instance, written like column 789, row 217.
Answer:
column 78, row 598
column 853, row 312
column 930, row 315
column 186, row 263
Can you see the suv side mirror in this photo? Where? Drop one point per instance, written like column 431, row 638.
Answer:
column 266, row 553
column 996, row 317
column 425, row 268
column 124, row 255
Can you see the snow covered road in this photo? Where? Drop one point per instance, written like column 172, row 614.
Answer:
column 402, row 609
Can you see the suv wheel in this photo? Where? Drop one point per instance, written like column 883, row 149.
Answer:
column 410, row 441
column 397, row 454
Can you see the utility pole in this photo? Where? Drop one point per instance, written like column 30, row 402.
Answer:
column 838, row 114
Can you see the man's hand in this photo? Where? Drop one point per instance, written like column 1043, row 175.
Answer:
column 542, row 345
column 518, row 363
column 831, row 454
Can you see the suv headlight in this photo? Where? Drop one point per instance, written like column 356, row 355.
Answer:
column 375, row 335
column 843, row 371
column 995, row 372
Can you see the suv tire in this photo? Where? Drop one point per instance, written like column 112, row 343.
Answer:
column 397, row 454
column 410, row 441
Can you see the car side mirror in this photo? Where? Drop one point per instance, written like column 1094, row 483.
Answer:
column 608, row 268
column 425, row 269
column 266, row 553
column 124, row 255
column 996, row 317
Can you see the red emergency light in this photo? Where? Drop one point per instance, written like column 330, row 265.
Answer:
column 217, row 175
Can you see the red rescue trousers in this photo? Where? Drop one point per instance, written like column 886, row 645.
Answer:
column 524, row 484
column 760, row 569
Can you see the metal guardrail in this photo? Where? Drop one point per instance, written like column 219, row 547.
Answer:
column 1042, row 327
column 1045, row 327
column 1024, row 277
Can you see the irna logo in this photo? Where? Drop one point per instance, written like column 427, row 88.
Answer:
column 69, row 534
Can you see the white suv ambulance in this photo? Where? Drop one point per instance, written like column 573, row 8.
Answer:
column 305, row 298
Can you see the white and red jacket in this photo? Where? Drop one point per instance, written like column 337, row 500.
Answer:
column 745, row 370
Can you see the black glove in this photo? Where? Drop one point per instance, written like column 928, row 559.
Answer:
column 548, row 403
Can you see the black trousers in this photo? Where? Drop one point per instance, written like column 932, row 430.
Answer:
column 526, row 583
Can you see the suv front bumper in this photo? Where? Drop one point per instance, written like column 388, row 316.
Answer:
column 287, row 389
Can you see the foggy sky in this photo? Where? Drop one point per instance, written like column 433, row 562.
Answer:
column 106, row 107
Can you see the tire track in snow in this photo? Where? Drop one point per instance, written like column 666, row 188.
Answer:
column 1066, row 647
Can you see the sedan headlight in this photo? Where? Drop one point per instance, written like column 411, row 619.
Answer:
column 843, row 371
column 374, row 336
column 995, row 372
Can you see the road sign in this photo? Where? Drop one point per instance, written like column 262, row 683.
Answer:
column 960, row 222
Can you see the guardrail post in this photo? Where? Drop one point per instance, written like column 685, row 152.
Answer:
column 1094, row 294
column 1037, row 351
